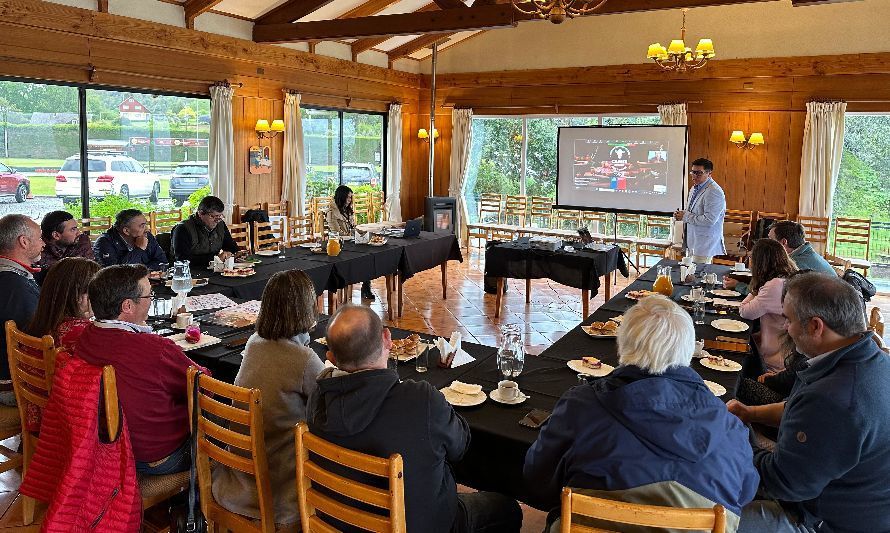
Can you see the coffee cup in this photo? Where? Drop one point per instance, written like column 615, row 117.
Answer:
column 741, row 267
column 508, row 390
column 699, row 348
column 183, row 320
column 687, row 260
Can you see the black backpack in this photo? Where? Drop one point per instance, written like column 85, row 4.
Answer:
column 860, row 283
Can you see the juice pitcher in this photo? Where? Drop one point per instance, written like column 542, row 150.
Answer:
column 333, row 243
column 663, row 284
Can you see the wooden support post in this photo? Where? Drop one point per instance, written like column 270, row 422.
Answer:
column 498, row 298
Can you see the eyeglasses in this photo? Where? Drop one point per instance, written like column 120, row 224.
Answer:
column 696, row 172
column 150, row 295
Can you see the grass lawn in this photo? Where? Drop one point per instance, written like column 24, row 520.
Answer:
column 46, row 186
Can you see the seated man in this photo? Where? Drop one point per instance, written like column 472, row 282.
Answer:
column 150, row 369
column 63, row 239
column 129, row 242
column 204, row 235
column 650, row 432
column 831, row 460
column 791, row 236
column 361, row 405
column 20, row 247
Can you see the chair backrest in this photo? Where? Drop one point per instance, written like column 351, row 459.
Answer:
column 299, row 230
column 281, row 209
column 267, row 235
column 241, row 234
column 596, row 221
column 815, row 231
column 637, row 514
column 95, row 226
column 377, row 204
column 319, row 208
column 737, row 228
column 566, row 218
column 163, row 221
column 540, row 209
column 230, row 432
column 361, row 206
column 770, row 215
column 311, row 473
column 629, row 224
column 32, row 364
column 851, row 233
column 876, row 321
column 239, row 210
column 515, row 208
column 490, row 207
column 658, row 227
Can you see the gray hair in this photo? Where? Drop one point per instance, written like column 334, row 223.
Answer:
column 360, row 342
column 655, row 335
column 830, row 298
column 11, row 228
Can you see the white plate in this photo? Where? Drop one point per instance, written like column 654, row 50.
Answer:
column 267, row 253
column 716, row 388
column 726, row 293
column 206, row 340
column 308, row 244
column 376, row 243
column 741, row 273
column 587, row 330
column 733, row 366
column 688, row 298
column 578, row 366
column 496, row 396
column 728, row 325
column 462, row 400
column 233, row 275
column 244, row 265
column 420, row 347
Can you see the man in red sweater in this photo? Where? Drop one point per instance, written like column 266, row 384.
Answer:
column 150, row 369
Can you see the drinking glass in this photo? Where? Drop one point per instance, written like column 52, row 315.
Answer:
column 280, row 250
column 511, row 353
column 420, row 364
column 710, row 280
column 698, row 311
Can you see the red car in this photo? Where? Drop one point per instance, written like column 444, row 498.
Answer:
column 14, row 184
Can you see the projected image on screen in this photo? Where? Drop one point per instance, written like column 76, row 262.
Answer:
column 630, row 168
column 620, row 165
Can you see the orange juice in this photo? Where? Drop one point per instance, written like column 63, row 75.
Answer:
column 663, row 285
column 333, row 247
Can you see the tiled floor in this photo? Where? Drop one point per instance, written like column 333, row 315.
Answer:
column 554, row 310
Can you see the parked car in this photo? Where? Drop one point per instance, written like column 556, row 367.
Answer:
column 109, row 173
column 14, row 184
column 360, row 174
column 188, row 178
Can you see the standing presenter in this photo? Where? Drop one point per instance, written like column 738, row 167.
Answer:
column 703, row 217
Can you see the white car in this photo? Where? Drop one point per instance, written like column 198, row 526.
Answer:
column 109, row 173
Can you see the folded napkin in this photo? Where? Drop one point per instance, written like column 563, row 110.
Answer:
column 465, row 388
column 686, row 271
column 362, row 237
column 452, row 346
column 218, row 266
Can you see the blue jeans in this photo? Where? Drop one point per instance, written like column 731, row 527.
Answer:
column 486, row 512
column 766, row 515
column 178, row 461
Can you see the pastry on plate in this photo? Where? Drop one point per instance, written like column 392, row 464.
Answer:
column 591, row 362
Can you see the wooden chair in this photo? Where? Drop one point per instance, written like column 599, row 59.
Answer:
column 267, row 235
column 241, row 234
column 299, row 230
column 596, row 222
column 655, row 240
column 839, row 264
column 230, row 432
column 876, row 321
column 281, row 209
column 566, row 219
column 737, row 230
column 758, row 215
column 361, row 205
column 489, row 206
column 239, row 210
column 540, row 211
column 153, row 489
column 853, row 234
column 515, row 210
column 318, row 207
column 816, row 231
column 95, row 226
column 377, row 204
column 637, row 514
column 311, row 473
column 163, row 221
column 32, row 364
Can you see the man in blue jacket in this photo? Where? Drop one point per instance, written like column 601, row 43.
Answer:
column 830, row 470
column 704, row 214
column 650, row 432
column 129, row 242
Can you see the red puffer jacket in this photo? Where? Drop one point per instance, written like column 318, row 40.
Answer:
column 89, row 484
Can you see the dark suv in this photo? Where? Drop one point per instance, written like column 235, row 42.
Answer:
column 188, row 178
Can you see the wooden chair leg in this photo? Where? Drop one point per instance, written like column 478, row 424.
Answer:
column 498, row 298
column 401, row 292
column 528, row 290
column 389, row 284
column 332, row 302
column 28, row 505
column 445, row 280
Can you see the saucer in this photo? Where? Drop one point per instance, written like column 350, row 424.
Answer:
column 496, row 396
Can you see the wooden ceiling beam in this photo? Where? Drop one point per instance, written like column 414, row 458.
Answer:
column 448, row 21
column 416, row 44
column 193, row 8
column 367, row 9
column 291, row 11
column 450, row 4
column 363, row 45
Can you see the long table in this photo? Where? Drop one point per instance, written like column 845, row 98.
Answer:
column 499, row 444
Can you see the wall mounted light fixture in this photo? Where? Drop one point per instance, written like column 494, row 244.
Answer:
column 738, row 137
column 422, row 133
column 265, row 131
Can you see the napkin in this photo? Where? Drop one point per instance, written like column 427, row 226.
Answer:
column 453, row 346
column 216, row 265
column 362, row 237
column 230, row 263
column 686, row 271
column 465, row 388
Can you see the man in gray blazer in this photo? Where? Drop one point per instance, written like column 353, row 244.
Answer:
column 703, row 216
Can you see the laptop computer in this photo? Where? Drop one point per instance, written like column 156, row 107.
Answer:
column 412, row 228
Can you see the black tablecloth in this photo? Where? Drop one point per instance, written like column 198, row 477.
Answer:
column 427, row 251
column 581, row 269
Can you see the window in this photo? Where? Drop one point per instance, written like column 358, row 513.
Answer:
column 39, row 129
column 344, row 148
column 863, row 189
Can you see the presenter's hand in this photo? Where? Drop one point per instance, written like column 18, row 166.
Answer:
column 678, row 215
column 729, row 283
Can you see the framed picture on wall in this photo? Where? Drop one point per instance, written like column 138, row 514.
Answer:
column 260, row 160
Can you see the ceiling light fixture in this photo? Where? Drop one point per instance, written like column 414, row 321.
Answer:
column 679, row 57
column 556, row 11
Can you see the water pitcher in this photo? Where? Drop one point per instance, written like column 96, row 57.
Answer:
column 182, row 277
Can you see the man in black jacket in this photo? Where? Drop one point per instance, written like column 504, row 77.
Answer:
column 204, row 235
column 129, row 242
column 361, row 405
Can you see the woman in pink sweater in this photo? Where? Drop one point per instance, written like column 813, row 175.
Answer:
column 770, row 266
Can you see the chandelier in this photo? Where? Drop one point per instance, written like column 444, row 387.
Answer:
column 678, row 57
column 556, row 11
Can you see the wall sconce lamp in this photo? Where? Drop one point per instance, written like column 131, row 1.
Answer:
column 738, row 137
column 423, row 134
column 265, row 131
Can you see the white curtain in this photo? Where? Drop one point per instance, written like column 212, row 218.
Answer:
column 222, row 146
column 823, row 143
column 461, row 140
column 672, row 114
column 293, row 188
column 394, row 163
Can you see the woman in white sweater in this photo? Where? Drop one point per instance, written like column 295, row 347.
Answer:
column 277, row 361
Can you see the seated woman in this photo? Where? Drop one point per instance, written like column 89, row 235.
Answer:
column 278, row 362
column 63, row 309
column 650, row 432
column 341, row 218
column 770, row 267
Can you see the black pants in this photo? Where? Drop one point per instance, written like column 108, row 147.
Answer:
column 486, row 512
